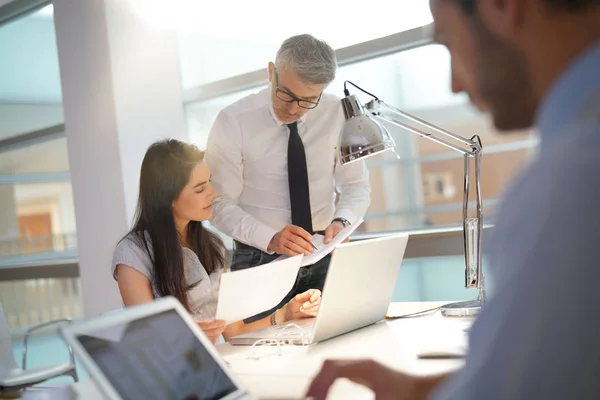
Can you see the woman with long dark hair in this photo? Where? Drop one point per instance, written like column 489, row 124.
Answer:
column 169, row 252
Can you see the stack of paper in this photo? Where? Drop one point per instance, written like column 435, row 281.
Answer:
column 251, row 291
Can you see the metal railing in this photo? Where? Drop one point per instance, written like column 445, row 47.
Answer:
column 35, row 301
column 38, row 244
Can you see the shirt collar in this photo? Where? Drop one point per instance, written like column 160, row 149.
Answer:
column 269, row 99
column 569, row 94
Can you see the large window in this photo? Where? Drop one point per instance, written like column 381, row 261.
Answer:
column 222, row 39
column 424, row 186
column 201, row 115
column 37, row 217
column 30, row 93
column 36, row 203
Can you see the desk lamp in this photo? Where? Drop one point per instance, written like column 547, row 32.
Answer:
column 363, row 136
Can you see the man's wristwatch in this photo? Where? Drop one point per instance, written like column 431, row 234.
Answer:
column 344, row 221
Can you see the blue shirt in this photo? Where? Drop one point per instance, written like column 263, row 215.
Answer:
column 538, row 336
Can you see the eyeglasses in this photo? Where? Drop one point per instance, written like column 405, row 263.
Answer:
column 290, row 98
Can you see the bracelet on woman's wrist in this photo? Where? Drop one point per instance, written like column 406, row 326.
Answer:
column 273, row 319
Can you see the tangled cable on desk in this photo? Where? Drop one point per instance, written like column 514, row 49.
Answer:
column 268, row 342
column 290, row 330
column 281, row 332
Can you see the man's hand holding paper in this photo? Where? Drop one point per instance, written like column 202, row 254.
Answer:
column 291, row 241
column 324, row 247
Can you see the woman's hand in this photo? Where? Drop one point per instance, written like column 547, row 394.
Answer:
column 304, row 305
column 212, row 329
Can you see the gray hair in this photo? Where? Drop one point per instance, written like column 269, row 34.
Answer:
column 312, row 59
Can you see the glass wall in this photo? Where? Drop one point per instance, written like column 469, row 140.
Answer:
column 36, row 202
column 424, row 187
column 37, row 217
column 216, row 48
column 201, row 115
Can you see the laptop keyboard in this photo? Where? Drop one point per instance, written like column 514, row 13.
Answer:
column 303, row 323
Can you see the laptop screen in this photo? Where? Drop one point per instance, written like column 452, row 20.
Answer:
column 157, row 357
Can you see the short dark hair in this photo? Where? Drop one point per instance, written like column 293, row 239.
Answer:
column 468, row 6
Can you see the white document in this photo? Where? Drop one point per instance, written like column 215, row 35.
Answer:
column 251, row 291
column 324, row 249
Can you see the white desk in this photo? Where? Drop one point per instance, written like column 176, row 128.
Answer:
column 395, row 343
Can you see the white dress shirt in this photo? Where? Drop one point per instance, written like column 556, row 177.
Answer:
column 247, row 156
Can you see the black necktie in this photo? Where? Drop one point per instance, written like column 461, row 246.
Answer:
column 298, row 181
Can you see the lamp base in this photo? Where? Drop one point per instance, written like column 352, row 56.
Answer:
column 461, row 309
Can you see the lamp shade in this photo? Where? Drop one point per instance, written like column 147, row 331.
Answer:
column 362, row 135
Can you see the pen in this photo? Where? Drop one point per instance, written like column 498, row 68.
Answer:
column 313, row 245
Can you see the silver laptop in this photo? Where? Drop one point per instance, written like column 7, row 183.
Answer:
column 357, row 292
column 152, row 351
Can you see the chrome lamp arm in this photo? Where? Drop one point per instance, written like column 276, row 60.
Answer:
column 363, row 135
column 472, row 148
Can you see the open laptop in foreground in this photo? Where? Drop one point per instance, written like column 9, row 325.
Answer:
column 152, row 351
column 357, row 292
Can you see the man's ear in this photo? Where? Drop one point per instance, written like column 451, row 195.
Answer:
column 503, row 18
column 271, row 69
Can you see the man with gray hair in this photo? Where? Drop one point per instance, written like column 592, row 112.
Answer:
column 273, row 160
